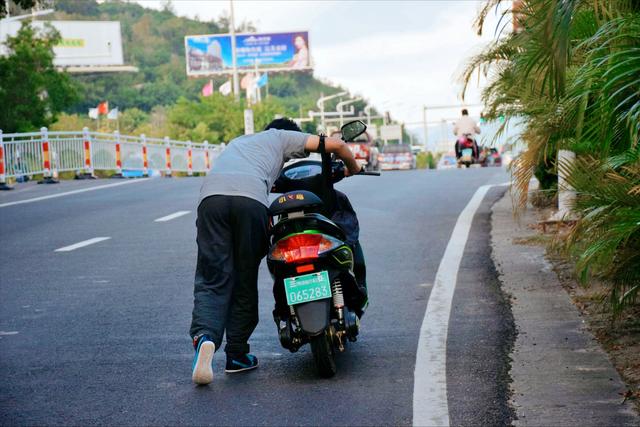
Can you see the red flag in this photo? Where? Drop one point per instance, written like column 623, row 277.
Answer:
column 207, row 90
column 103, row 107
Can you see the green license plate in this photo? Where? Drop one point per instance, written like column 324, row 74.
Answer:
column 309, row 287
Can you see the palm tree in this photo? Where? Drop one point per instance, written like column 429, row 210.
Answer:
column 572, row 72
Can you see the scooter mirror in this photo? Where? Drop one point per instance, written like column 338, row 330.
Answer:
column 352, row 130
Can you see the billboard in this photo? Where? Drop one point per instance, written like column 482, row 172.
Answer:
column 211, row 54
column 84, row 43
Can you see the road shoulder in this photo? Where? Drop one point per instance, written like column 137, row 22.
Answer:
column 560, row 374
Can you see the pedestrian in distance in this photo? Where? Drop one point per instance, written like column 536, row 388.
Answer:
column 232, row 238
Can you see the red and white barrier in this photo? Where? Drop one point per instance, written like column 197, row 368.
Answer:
column 145, row 160
column 189, row 159
column 207, row 162
column 167, row 144
column 87, row 156
column 88, row 153
column 46, row 156
column 3, row 176
column 116, row 135
column 44, row 153
column 48, row 177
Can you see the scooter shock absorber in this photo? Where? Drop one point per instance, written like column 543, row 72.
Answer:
column 338, row 297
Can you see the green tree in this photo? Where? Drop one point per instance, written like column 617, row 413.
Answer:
column 217, row 118
column 33, row 92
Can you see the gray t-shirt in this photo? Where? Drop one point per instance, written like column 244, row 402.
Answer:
column 251, row 164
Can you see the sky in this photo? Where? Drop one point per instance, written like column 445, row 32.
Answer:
column 400, row 55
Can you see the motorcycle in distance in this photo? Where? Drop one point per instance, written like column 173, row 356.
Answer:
column 466, row 145
column 318, row 299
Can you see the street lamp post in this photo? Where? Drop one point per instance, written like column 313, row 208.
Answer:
column 367, row 112
column 342, row 104
column 321, row 102
column 234, row 59
column 424, row 123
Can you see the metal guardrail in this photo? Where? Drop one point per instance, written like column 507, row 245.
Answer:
column 47, row 153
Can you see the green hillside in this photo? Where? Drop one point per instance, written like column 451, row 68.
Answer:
column 153, row 41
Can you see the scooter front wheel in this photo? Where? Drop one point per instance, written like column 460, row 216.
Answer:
column 323, row 355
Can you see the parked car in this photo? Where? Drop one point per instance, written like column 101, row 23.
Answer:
column 447, row 161
column 396, row 156
column 364, row 150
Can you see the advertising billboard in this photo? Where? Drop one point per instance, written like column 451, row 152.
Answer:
column 84, row 43
column 211, row 54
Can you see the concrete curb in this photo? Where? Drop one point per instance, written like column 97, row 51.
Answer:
column 560, row 374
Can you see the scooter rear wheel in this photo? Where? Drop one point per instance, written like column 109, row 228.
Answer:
column 323, row 355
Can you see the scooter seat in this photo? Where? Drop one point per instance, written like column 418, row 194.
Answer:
column 309, row 221
column 295, row 201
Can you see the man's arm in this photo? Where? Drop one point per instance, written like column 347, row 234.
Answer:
column 337, row 146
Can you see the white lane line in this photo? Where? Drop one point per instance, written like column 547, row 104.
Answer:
column 68, row 193
column 82, row 244
column 3, row 333
column 172, row 216
column 430, row 406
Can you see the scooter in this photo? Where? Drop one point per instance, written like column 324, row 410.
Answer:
column 318, row 299
column 466, row 145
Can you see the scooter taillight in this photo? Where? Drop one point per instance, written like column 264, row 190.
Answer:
column 302, row 247
column 465, row 143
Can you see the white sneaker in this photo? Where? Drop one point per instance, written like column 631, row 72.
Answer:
column 202, row 369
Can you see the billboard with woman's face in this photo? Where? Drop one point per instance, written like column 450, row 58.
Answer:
column 211, row 54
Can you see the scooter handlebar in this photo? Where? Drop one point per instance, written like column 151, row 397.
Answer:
column 338, row 169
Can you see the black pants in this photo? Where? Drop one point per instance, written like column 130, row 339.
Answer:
column 232, row 240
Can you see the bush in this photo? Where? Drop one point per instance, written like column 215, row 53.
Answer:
column 425, row 160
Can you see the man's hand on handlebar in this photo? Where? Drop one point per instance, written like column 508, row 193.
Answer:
column 338, row 147
column 348, row 173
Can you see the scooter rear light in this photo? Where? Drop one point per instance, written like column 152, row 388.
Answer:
column 302, row 247
column 305, row 268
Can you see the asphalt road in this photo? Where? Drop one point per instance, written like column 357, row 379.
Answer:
column 99, row 334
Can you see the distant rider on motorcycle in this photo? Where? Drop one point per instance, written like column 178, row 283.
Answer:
column 466, row 126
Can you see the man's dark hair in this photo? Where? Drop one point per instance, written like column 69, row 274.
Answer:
column 283, row 124
column 465, row 112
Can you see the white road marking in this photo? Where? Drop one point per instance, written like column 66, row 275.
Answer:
column 430, row 406
column 68, row 193
column 3, row 333
column 172, row 216
column 82, row 244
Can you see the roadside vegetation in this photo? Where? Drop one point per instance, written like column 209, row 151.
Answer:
column 33, row 93
column 571, row 70
column 426, row 160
